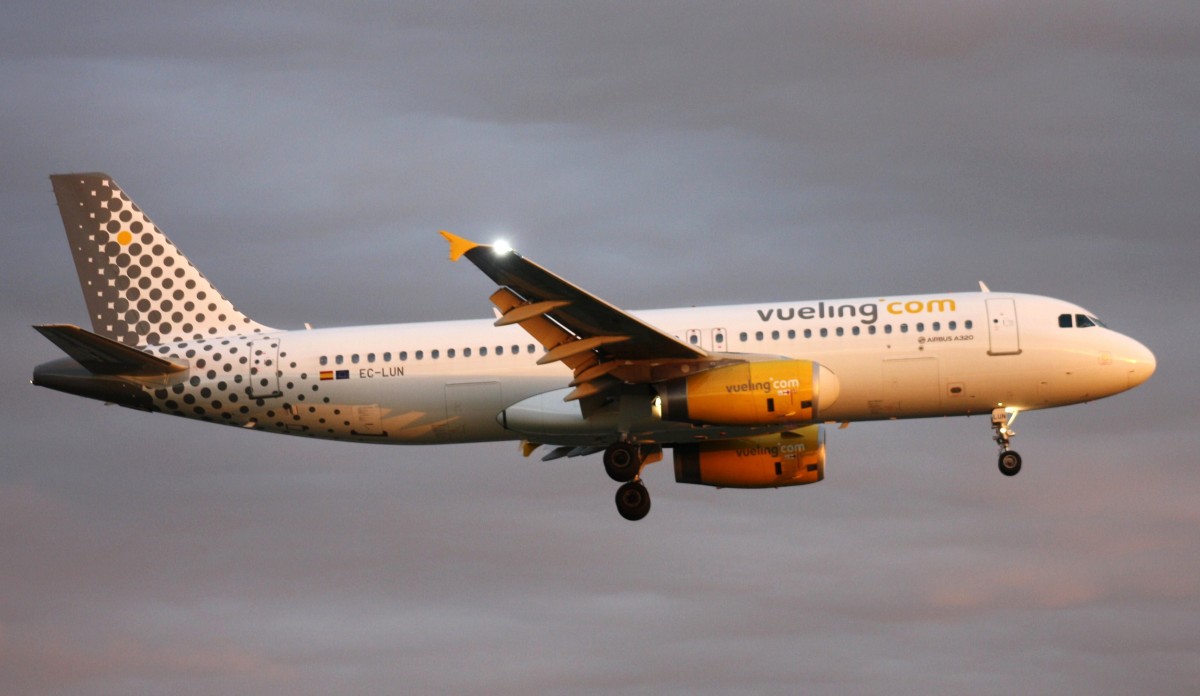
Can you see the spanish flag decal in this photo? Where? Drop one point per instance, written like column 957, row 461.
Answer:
column 326, row 374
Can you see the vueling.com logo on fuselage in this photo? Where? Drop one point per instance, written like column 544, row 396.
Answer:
column 767, row 386
column 867, row 312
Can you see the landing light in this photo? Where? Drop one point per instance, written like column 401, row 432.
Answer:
column 502, row 247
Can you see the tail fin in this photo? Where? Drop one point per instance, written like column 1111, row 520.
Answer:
column 140, row 290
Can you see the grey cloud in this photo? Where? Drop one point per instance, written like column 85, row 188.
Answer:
column 661, row 154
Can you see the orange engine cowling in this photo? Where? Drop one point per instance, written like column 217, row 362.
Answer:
column 770, row 392
column 791, row 458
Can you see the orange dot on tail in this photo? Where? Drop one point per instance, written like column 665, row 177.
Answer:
column 124, row 237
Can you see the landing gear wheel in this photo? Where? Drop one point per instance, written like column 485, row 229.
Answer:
column 633, row 501
column 622, row 462
column 1010, row 463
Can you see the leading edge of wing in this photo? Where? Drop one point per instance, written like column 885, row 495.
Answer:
column 577, row 310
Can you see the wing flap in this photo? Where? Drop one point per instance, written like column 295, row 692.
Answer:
column 576, row 346
column 520, row 313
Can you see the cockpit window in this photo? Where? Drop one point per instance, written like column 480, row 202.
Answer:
column 1081, row 321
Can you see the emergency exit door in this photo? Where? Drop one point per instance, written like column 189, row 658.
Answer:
column 1002, row 327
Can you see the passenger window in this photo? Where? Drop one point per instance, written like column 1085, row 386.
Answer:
column 449, row 352
column 969, row 324
column 887, row 329
column 530, row 348
column 1083, row 322
column 824, row 333
column 743, row 337
column 370, row 357
column 516, row 350
column 952, row 325
column 758, row 335
column 694, row 339
column 466, row 352
column 387, row 357
column 403, row 355
column 420, row 355
column 499, row 350
column 841, row 331
column 937, row 326
column 774, row 335
column 1064, row 321
column 904, row 328
column 483, row 351
column 808, row 333
column 856, row 330
column 718, row 338
column 434, row 354
column 871, row 329
column 324, row 359
column 354, row 358
column 791, row 333
column 920, row 327
column 339, row 360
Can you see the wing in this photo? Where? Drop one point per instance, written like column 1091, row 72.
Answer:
column 603, row 345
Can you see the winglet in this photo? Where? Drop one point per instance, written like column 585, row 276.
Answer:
column 458, row 245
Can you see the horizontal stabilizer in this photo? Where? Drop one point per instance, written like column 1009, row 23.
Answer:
column 103, row 356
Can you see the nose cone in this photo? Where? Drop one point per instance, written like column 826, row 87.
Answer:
column 1140, row 361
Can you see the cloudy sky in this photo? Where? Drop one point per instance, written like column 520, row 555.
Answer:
column 659, row 154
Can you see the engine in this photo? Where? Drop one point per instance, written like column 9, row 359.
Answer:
column 753, row 393
column 791, row 458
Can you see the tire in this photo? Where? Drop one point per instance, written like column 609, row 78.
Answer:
column 633, row 501
column 1009, row 463
column 622, row 462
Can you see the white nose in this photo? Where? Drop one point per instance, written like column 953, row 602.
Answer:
column 1141, row 363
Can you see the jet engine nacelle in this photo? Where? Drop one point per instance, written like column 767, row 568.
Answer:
column 770, row 392
column 791, row 458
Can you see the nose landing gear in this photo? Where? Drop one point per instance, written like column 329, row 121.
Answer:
column 1010, row 461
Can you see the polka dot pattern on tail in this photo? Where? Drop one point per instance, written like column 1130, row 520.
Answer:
column 140, row 290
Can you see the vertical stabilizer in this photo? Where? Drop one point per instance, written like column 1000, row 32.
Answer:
column 140, row 290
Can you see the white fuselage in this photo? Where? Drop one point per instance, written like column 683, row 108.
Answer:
column 897, row 357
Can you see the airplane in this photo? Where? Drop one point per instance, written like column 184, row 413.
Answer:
column 741, row 394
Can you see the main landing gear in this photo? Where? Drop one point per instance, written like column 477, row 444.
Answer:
column 633, row 500
column 623, row 462
column 1010, row 461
